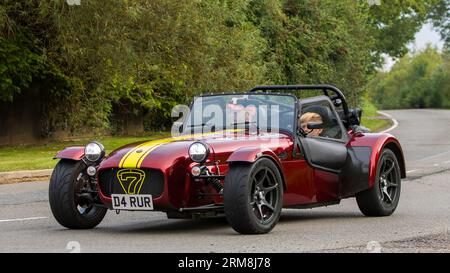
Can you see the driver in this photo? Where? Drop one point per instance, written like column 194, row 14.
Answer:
column 244, row 113
column 310, row 117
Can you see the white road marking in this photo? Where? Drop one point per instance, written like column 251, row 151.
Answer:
column 411, row 171
column 22, row 219
column 393, row 120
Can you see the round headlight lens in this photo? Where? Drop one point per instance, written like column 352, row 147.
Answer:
column 91, row 170
column 198, row 152
column 94, row 151
column 196, row 171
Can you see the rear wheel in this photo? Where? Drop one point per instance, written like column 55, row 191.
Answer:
column 253, row 196
column 72, row 197
column 382, row 199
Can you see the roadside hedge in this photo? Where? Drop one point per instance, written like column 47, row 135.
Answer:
column 103, row 59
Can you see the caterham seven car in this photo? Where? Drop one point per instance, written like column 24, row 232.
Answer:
column 243, row 155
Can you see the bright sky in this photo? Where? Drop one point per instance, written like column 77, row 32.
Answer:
column 427, row 35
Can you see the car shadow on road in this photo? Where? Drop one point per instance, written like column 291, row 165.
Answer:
column 175, row 226
column 296, row 215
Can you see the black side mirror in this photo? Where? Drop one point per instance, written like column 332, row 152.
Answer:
column 355, row 116
column 314, row 125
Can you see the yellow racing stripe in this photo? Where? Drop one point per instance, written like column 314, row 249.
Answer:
column 135, row 157
column 130, row 152
column 139, row 163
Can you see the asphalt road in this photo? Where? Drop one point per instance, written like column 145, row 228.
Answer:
column 420, row 224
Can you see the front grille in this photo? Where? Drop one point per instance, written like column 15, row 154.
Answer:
column 153, row 182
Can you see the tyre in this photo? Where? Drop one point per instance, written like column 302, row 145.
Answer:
column 253, row 196
column 382, row 199
column 70, row 197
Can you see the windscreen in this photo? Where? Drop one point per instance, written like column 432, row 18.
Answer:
column 260, row 112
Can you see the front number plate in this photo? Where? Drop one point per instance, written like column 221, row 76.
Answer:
column 132, row 201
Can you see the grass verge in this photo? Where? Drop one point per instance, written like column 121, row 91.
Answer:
column 36, row 157
column 371, row 119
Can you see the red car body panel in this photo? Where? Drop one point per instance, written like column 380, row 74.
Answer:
column 304, row 185
column 173, row 160
column 377, row 142
column 73, row 153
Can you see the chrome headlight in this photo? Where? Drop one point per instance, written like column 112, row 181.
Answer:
column 199, row 152
column 94, row 151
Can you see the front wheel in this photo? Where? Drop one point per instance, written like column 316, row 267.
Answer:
column 71, row 196
column 382, row 199
column 253, row 196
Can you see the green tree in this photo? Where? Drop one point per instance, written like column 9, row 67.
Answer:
column 23, row 62
column 394, row 24
column 147, row 56
column 440, row 17
column 314, row 42
column 419, row 80
column 105, row 59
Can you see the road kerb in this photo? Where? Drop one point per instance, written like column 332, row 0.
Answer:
column 394, row 121
column 24, row 176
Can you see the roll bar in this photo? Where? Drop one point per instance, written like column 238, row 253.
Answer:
column 324, row 87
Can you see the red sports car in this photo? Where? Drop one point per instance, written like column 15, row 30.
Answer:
column 245, row 155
